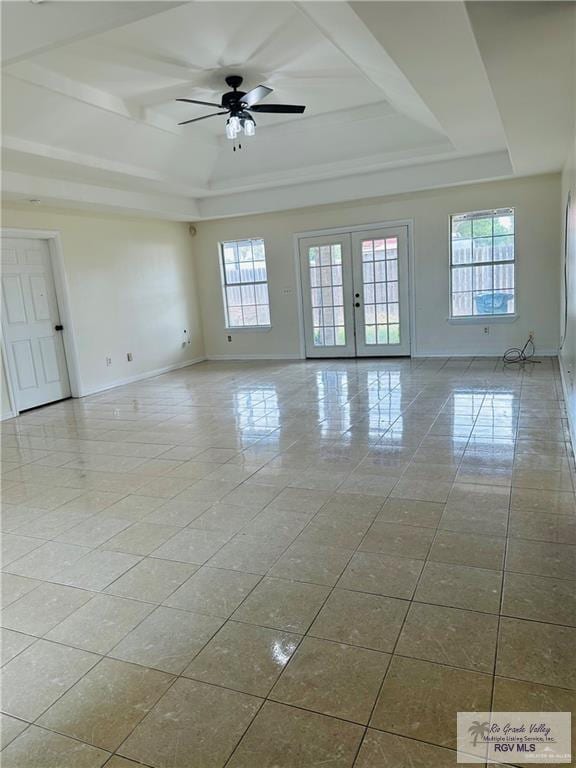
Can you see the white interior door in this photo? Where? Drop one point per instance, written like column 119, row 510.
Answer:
column 34, row 346
column 381, row 291
column 327, row 288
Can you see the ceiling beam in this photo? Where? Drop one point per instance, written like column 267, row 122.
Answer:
column 15, row 148
column 434, row 46
column 73, row 89
column 393, row 181
column 529, row 51
column 348, row 32
column 57, row 192
column 334, row 170
column 34, row 74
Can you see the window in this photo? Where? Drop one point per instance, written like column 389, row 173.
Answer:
column 245, row 284
column 482, row 263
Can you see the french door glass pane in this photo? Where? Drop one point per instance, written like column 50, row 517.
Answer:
column 380, row 289
column 327, row 295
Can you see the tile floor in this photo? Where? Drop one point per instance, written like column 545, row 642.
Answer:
column 290, row 565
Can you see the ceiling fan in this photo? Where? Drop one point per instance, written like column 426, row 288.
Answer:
column 239, row 105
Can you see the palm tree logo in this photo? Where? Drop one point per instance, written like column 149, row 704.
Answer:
column 477, row 730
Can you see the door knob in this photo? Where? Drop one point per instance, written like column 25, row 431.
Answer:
column 58, row 327
column 357, row 304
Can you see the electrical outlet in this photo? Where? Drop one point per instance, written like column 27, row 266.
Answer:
column 129, row 357
column 486, row 329
column 229, row 338
column 531, row 335
column 108, row 362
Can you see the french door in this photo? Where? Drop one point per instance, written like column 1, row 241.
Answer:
column 355, row 293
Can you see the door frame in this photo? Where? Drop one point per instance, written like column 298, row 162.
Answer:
column 408, row 223
column 64, row 307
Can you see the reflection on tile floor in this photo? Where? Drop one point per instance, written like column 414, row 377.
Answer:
column 299, row 565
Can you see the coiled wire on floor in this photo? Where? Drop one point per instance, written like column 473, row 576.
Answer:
column 521, row 356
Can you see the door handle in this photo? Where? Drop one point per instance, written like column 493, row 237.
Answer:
column 58, row 327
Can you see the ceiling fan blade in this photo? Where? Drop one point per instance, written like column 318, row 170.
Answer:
column 279, row 109
column 204, row 103
column 256, row 94
column 195, row 119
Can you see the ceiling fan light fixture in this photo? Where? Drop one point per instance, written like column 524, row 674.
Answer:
column 230, row 130
column 235, row 123
column 249, row 127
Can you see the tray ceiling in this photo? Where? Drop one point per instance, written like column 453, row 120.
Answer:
column 436, row 88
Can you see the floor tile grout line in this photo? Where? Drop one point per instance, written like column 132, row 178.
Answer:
column 309, row 625
column 154, row 607
column 502, row 587
column 189, row 526
column 375, row 703
column 99, row 661
column 411, row 601
column 469, row 364
column 398, row 636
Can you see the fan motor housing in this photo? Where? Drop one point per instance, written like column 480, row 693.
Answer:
column 232, row 100
column 234, row 81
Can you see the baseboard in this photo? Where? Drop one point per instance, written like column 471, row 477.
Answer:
column 9, row 415
column 141, row 376
column 550, row 352
column 417, row 355
column 566, row 389
column 240, row 358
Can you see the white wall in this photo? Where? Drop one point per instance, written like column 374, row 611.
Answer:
column 568, row 353
column 133, row 288
column 568, row 252
column 536, row 200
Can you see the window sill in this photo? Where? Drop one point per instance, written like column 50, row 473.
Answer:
column 482, row 320
column 250, row 329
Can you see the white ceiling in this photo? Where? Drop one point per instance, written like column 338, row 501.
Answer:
column 399, row 96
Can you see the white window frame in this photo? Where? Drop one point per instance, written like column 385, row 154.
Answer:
column 225, row 284
column 493, row 317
